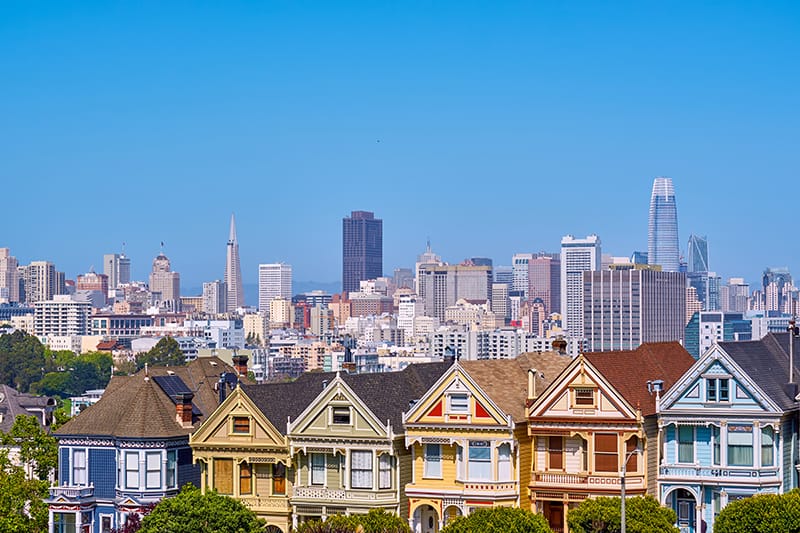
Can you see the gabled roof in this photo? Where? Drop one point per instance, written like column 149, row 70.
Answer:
column 766, row 362
column 505, row 381
column 14, row 403
column 137, row 407
column 628, row 371
column 386, row 394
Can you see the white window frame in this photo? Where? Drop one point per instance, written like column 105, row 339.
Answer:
column 457, row 407
column 474, row 463
column 349, row 422
column 385, row 471
column 153, row 470
column 432, row 461
column 362, row 471
column 678, row 444
column 312, row 479
column 128, row 458
column 504, row 470
column 172, row 469
column 84, row 468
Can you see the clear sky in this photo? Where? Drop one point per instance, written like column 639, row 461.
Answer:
column 489, row 127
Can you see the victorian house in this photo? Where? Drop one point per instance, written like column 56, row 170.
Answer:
column 728, row 429
column 243, row 448
column 595, row 427
column 348, row 445
column 131, row 448
column 468, row 438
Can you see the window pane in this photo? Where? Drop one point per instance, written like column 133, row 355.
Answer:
column 631, row 455
column 132, row 470
column 317, row 469
column 584, row 396
column 385, row 474
column 241, row 424
column 740, row 445
column 504, row 462
column 245, row 479
column 767, row 447
column 556, row 453
column 279, row 478
column 223, row 476
column 432, row 460
column 606, row 457
column 459, row 403
column 341, row 415
column 361, row 469
column 153, row 460
column 715, row 435
column 711, row 390
column 685, row 444
column 723, row 390
column 480, row 461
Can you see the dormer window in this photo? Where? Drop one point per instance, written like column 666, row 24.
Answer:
column 584, row 396
column 458, row 403
column 717, row 390
column 340, row 415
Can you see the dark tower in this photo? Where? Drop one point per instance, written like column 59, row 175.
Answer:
column 362, row 249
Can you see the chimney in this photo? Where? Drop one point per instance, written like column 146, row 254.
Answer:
column 240, row 364
column 183, row 409
column 560, row 345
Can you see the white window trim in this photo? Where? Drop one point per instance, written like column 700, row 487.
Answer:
column 85, row 452
column 311, row 470
column 330, row 415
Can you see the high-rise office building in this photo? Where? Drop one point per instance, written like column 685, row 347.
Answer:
column 41, row 281
column 9, row 277
column 61, row 316
column 662, row 234
column 775, row 283
column 697, row 255
column 519, row 266
column 215, row 297
column 577, row 256
column 165, row 283
column 427, row 258
column 117, row 267
column 274, row 281
column 734, row 296
column 441, row 286
column 544, row 279
column 362, row 249
column 625, row 307
column 233, row 271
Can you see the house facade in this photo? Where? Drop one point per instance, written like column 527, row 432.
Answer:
column 594, row 422
column 131, row 448
column 468, row 438
column 348, row 446
column 727, row 430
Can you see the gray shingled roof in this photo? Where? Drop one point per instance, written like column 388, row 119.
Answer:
column 386, row 394
column 766, row 361
column 14, row 403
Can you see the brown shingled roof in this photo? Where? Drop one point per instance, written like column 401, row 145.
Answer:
column 628, row 371
column 137, row 407
column 506, row 380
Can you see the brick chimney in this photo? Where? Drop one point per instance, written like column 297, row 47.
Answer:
column 240, row 364
column 183, row 409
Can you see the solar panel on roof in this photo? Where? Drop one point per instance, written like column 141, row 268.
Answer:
column 172, row 387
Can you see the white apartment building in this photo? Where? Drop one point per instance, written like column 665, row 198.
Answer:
column 61, row 316
column 577, row 256
column 215, row 297
column 274, row 281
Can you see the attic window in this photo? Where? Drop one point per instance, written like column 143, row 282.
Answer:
column 341, row 415
column 459, row 403
column 241, row 424
column 584, row 396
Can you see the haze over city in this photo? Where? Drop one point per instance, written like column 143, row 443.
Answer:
column 488, row 129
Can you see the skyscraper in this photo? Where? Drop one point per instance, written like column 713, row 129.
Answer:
column 215, row 297
column 233, row 271
column 577, row 257
column 625, row 307
column 165, row 283
column 118, row 269
column 362, row 249
column 662, row 231
column 41, row 281
column 9, row 277
column 544, row 279
column 519, row 264
column 274, row 281
column 697, row 255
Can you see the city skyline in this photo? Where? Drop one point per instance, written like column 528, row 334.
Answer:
column 495, row 130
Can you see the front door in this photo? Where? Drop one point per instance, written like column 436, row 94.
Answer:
column 554, row 512
column 685, row 508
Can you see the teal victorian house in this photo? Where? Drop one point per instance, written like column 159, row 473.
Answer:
column 728, row 430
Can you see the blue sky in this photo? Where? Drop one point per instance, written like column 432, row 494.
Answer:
column 489, row 127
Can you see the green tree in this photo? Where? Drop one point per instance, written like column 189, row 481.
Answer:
column 22, row 360
column 761, row 514
column 72, row 375
column 22, row 507
column 167, row 352
column 193, row 512
column 499, row 520
column 37, row 447
column 643, row 514
column 375, row 521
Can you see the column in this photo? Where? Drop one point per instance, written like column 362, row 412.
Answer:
column 51, row 526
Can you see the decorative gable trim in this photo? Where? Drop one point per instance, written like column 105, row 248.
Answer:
column 715, row 356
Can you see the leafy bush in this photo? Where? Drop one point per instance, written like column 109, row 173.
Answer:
column 643, row 514
column 499, row 520
column 762, row 513
column 376, row 521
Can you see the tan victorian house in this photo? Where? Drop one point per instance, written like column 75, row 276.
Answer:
column 468, row 438
column 243, row 450
column 597, row 420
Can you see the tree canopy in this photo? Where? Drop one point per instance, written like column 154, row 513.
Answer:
column 761, row 514
column 376, row 521
column 22, row 360
column 22, row 507
column 36, row 446
column 499, row 520
column 643, row 514
column 193, row 512
column 167, row 352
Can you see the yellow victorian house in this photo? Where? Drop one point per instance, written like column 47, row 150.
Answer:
column 243, row 449
column 468, row 438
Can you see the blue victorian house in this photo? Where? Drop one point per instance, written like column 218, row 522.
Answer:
column 131, row 448
column 728, row 430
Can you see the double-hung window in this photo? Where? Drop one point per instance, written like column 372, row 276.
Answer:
column 361, row 469
column 606, row 452
column 131, row 470
column 317, row 468
column 504, row 462
column 718, row 390
column 685, row 444
column 740, row 445
column 385, row 471
column 153, row 470
column 479, row 466
column 767, row 446
column 79, row 467
column 715, row 437
column 432, row 461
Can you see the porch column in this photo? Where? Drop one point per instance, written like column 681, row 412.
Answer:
column 78, row 521
column 51, row 526
column 699, row 515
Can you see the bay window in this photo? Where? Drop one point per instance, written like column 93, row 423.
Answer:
column 317, row 468
column 131, row 470
column 685, row 444
column 432, row 461
column 767, row 446
column 361, row 469
column 740, row 445
column 479, row 467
